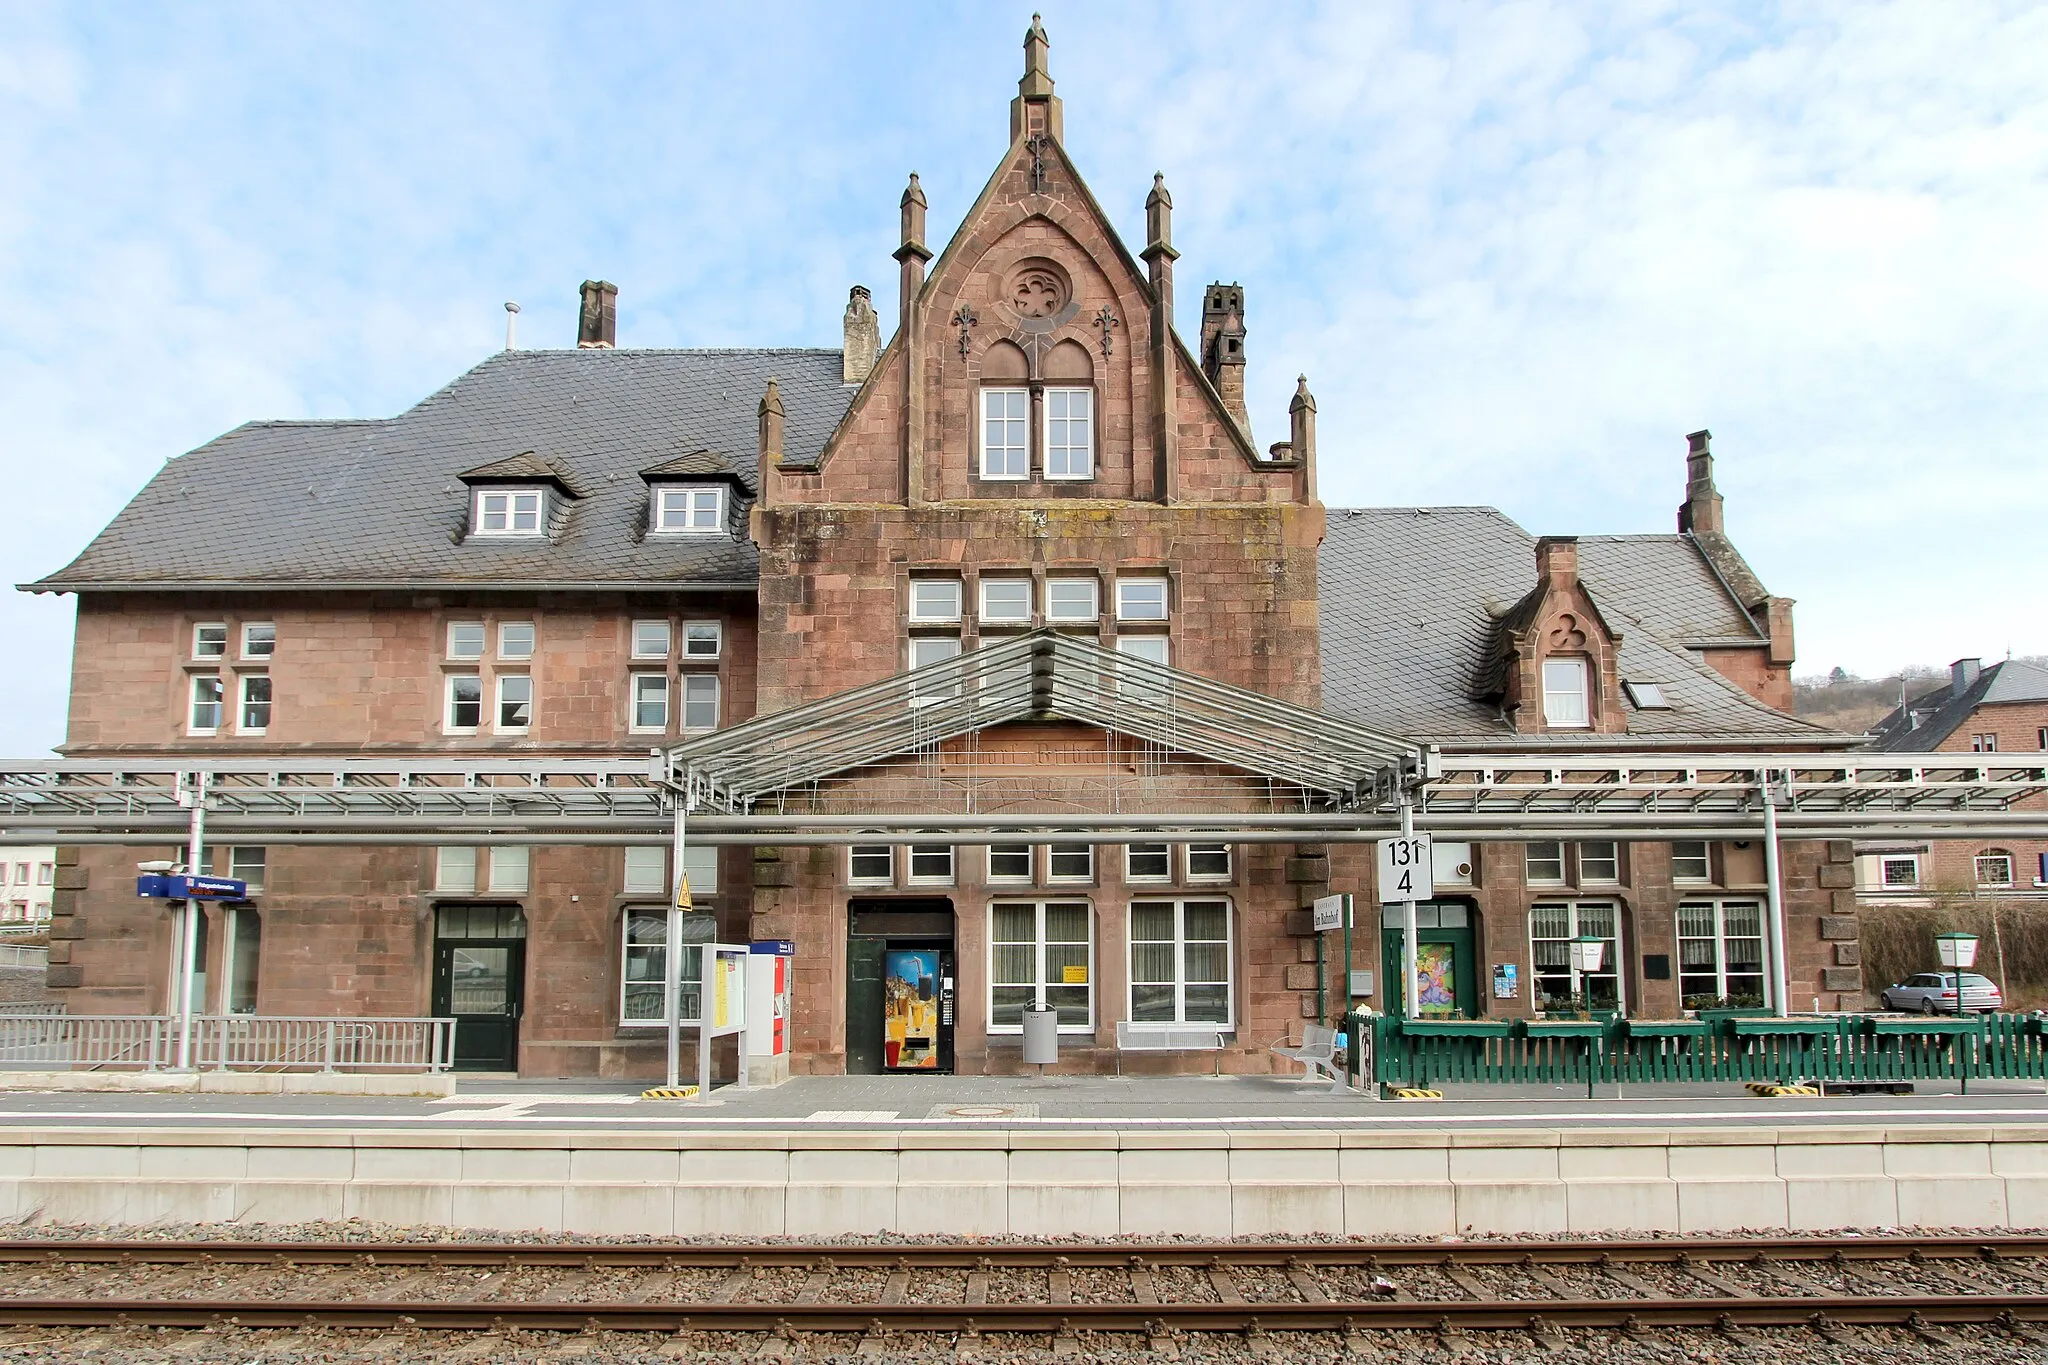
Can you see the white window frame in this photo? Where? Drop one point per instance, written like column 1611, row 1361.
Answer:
column 249, row 640
column 689, row 510
column 1060, row 460
column 507, row 651
column 930, row 864
column 1613, row 964
column 703, row 640
column 1133, row 592
column 512, row 505
column 1019, row 425
column 1069, row 850
column 991, row 617
column 1228, row 853
column 916, row 646
column 455, row 869
column 511, row 869
column 636, row 684
column 1587, row 876
column 697, row 693
column 249, row 863
column 653, row 963
column 1039, row 952
column 1567, row 694
column 1056, row 616
column 1011, row 849
column 1180, row 969
column 466, row 655
column 1531, row 859
column 1705, row 878
column 449, row 724
column 1885, row 862
column 499, row 724
column 646, row 626
column 218, row 702
column 856, row 852
column 244, row 685
column 1156, row 649
column 201, row 627
column 1647, row 696
column 1985, row 743
column 940, row 610
column 646, row 871
column 1994, row 855
column 1163, row 852
column 1720, row 905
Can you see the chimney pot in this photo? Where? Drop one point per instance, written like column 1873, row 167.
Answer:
column 597, row 325
column 863, row 333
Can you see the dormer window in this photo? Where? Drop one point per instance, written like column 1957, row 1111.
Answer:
column 510, row 511
column 1566, row 705
column 689, row 511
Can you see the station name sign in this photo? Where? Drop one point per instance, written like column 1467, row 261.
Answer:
column 180, row 887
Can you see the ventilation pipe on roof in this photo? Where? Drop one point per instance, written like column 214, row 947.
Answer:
column 597, row 326
column 511, row 324
column 1963, row 675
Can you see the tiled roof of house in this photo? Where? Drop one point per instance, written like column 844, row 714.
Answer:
column 1410, row 599
column 1942, row 710
column 381, row 502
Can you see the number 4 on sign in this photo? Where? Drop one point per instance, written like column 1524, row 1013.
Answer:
column 1405, row 870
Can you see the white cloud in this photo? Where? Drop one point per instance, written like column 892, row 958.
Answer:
column 1520, row 249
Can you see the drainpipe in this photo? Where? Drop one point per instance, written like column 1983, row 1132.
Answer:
column 1774, row 902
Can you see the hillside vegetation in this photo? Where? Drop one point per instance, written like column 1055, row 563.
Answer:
column 1847, row 702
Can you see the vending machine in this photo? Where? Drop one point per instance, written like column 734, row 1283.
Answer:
column 768, row 1010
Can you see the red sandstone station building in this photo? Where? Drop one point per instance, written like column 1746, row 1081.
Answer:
column 1022, row 561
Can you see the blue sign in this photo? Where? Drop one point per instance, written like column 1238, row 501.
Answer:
column 773, row 947
column 180, row 887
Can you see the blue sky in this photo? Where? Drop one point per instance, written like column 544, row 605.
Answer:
column 1520, row 249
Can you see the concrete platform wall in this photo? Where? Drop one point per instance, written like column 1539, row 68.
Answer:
column 1024, row 1183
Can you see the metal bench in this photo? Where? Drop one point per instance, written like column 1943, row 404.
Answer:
column 1140, row 1038
column 1319, row 1051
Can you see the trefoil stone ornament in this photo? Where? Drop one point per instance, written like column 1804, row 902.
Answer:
column 1106, row 319
column 965, row 319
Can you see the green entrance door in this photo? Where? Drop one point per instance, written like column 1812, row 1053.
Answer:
column 1447, row 964
column 480, row 980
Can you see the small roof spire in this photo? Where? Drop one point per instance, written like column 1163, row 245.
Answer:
column 1036, row 110
column 1037, row 76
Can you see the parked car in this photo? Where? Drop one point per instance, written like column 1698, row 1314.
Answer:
column 1935, row 993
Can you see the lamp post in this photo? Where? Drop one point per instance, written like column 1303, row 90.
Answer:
column 1588, row 953
column 1957, row 952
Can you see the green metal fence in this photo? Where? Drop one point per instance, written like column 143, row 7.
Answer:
column 1730, row 1047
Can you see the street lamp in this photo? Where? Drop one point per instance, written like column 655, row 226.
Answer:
column 1957, row 952
column 1588, row 953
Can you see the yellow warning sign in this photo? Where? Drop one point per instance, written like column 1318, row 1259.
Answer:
column 683, row 901
column 1073, row 976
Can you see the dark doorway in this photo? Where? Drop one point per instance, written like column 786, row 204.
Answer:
column 900, row 987
column 480, row 980
column 1447, row 959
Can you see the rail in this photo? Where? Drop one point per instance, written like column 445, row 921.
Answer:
column 234, row 1042
column 21, row 955
column 1715, row 1046
column 1835, row 1288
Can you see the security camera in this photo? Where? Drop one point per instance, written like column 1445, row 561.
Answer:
column 156, row 865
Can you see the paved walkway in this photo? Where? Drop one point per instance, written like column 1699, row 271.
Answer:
column 1057, row 1102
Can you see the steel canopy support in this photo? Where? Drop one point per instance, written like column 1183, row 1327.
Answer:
column 1774, row 904
column 188, row 945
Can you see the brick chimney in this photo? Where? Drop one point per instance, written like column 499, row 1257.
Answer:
column 863, row 337
column 1701, row 512
column 597, row 326
column 1557, row 562
column 1223, row 346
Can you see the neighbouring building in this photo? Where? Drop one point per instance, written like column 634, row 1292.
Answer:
column 27, row 877
column 603, row 550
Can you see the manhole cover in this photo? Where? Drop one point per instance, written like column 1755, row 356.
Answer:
column 983, row 1111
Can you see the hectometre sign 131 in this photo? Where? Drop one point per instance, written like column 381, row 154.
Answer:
column 1405, row 870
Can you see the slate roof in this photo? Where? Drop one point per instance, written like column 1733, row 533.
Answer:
column 1943, row 710
column 1410, row 599
column 365, row 503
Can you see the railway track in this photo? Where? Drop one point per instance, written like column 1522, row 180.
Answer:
column 1925, row 1285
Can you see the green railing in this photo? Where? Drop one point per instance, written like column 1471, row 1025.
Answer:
column 1732, row 1047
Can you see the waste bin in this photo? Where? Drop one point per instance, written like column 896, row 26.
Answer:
column 1041, row 1034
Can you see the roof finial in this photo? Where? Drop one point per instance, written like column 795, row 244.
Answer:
column 1035, row 45
column 1036, row 109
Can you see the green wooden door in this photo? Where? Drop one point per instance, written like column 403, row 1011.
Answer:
column 1449, row 969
